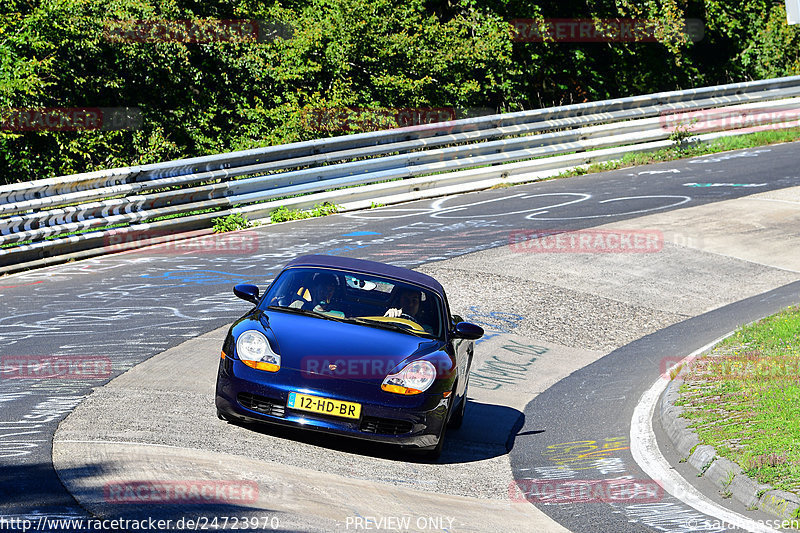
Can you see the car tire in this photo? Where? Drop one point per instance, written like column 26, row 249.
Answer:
column 434, row 453
column 457, row 418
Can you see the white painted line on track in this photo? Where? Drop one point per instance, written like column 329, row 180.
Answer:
column 437, row 204
column 608, row 215
column 148, row 444
column 644, row 449
column 776, row 200
column 652, row 172
column 583, row 196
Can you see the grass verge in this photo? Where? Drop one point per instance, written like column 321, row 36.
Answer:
column 743, row 398
column 282, row 214
column 685, row 149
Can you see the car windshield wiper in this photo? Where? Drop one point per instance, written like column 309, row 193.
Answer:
column 389, row 325
column 307, row 312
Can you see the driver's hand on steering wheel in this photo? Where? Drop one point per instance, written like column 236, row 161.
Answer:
column 398, row 313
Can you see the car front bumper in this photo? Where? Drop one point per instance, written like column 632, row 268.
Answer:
column 252, row 395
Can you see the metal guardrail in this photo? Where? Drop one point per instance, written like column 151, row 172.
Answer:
column 36, row 216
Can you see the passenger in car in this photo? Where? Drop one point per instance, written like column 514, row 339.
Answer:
column 320, row 298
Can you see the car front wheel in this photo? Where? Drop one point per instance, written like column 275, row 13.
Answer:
column 457, row 418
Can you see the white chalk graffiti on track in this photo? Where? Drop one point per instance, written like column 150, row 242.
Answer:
column 443, row 208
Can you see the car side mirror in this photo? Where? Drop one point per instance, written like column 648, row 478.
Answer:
column 248, row 292
column 467, row 330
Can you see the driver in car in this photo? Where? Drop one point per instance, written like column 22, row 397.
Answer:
column 408, row 302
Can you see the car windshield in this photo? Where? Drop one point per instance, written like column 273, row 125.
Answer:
column 359, row 298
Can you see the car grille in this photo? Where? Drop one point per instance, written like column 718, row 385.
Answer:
column 385, row 426
column 261, row 404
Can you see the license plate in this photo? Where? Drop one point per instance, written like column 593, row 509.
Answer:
column 324, row 406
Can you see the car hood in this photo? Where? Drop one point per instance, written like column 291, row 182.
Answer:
column 358, row 352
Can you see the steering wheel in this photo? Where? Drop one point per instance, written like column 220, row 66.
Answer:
column 404, row 320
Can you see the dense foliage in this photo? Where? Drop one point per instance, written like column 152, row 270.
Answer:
column 208, row 97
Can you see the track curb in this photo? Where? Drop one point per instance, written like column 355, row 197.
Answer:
column 727, row 476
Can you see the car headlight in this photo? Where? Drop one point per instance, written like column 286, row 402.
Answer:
column 253, row 349
column 414, row 378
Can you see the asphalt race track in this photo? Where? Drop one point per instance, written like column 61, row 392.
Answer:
column 595, row 332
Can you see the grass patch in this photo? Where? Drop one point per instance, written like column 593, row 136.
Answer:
column 684, row 149
column 743, row 398
column 232, row 222
column 187, row 214
column 283, row 214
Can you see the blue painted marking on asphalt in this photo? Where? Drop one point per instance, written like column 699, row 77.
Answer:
column 337, row 251
column 199, row 277
column 360, row 233
column 486, row 337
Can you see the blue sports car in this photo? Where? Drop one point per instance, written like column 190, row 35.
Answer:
column 349, row 347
